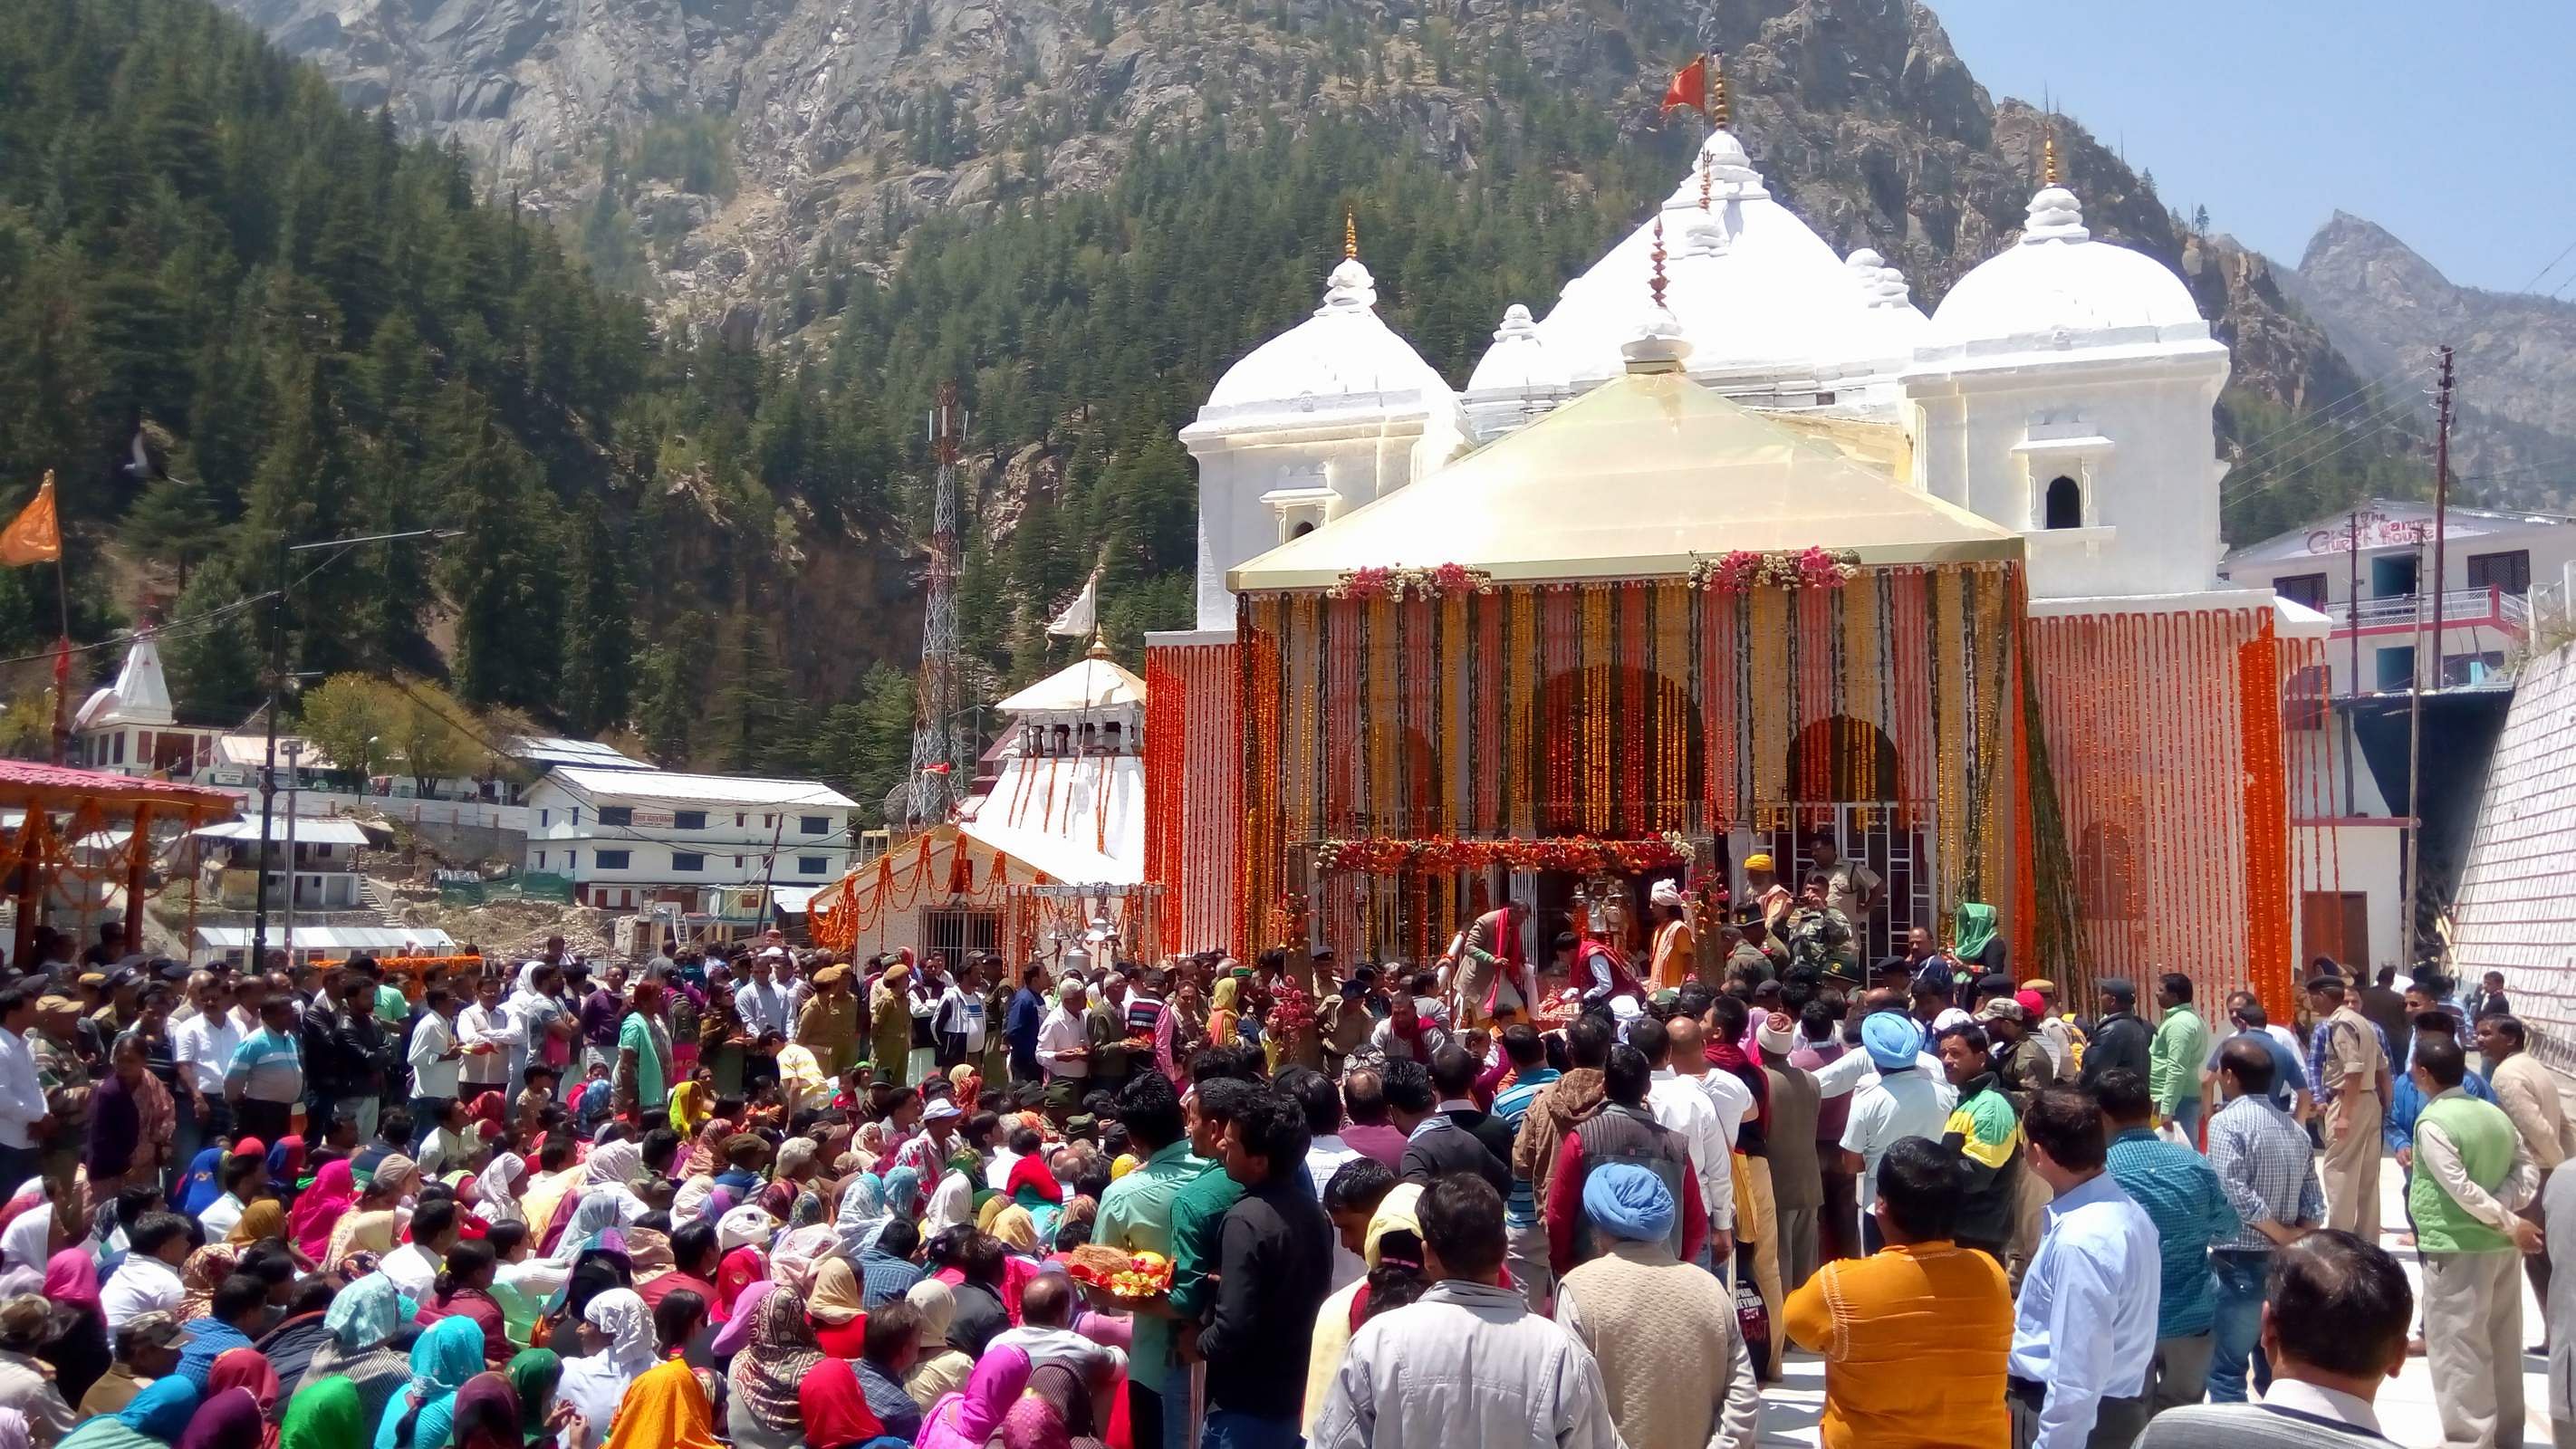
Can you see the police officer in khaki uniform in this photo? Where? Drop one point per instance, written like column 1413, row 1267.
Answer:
column 2352, row 1085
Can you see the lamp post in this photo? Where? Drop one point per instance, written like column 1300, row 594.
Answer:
column 277, row 703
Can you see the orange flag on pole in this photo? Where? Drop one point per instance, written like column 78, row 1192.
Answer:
column 33, row 536
column 1689, row 86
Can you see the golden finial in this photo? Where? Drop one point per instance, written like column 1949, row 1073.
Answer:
column 1350, row 235
column 2048, row 154
column 1720, row 114
column 1703, row 178
column 1099, row 647
column 1655, row 284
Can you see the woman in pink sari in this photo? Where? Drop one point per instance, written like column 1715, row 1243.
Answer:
column 968, row 1418
column 319, row 1208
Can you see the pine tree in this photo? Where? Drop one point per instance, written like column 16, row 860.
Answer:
column 172, row 523
column 598, row 635
column 492, row 571
column 214, row 664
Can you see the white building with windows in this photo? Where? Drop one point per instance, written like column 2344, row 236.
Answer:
column 630, row 838
column 2370, row 571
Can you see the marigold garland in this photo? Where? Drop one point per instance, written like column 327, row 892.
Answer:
column 1743, row 569
column 1440, row 581
column 1442, row 854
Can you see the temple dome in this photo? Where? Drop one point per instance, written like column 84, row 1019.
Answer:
column 1753, row 286
column 1343, row 359
column 2057, row 288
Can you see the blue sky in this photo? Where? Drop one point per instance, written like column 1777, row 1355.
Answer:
column 2448, row 125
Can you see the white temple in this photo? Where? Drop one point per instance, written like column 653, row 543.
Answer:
column 1070, row 800
column 2062, row 392
column 2063, row 389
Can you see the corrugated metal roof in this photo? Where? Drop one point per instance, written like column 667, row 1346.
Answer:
column 308, row 831
column 559, row 750
column 670, row 785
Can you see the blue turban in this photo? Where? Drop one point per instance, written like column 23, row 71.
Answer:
column 1624, row 1200
column 1891, row 1038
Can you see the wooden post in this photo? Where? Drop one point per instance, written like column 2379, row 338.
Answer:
column 31, row 881
column 138, row 863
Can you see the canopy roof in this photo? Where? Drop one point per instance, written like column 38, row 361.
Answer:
column 1092, row 682
column 308, row 831
column 25, row 784
column 1638, row 478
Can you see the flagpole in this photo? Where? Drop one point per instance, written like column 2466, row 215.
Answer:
column 63, row 647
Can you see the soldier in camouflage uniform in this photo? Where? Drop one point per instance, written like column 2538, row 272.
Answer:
column 1819, row 935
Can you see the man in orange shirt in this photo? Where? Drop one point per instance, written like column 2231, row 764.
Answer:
column 1914, row 1337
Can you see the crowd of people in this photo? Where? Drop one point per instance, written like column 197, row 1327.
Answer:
column 1573, row 1196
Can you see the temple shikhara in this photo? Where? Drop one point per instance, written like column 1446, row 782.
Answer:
column 1730, row 550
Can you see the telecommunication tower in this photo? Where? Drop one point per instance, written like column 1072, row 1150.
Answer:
column 936, row 784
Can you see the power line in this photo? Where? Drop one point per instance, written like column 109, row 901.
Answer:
column 2308, row 454
column 2322, row 414
column 2563, row 254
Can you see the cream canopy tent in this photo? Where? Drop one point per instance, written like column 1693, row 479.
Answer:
column 1640, row 477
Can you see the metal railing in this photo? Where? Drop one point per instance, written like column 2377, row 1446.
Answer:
column 2461, row 609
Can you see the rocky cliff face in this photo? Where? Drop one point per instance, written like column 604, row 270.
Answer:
column 746, row 141
column 2388, row 309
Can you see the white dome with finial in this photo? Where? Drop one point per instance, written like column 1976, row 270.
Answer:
column 1756, row 290
column 1519, row 360
column 2058, row 289
column 1342, row 359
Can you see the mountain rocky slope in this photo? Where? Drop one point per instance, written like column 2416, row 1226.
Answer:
column 2387, row 309
column 710, row 149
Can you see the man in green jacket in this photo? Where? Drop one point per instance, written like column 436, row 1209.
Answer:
column 2471, row 1174
column 2174, row 1058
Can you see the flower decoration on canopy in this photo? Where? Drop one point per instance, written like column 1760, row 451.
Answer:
column 1744, row 570
column 1449, row 855
column 1440, row 581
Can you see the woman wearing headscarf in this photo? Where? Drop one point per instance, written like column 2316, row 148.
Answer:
column 154, row 1420
column 618, row 1345
column 781, row 1351
column 286, row 1166
column 319, row 1207
column 739, row 1269
column 735, row 1336
column 199, row 1277
column 198, row 1190
column 249, row 1370
column 835, row 1407
column 951, row 1203
column 423, row 1415
column 1055, row 1413
column 78, row 1348
column 902, row 1197
column 374, row 1221
column 362, row 1321
column 261, row 1221
column 1224, row 1019
column 704, row 1156
column 487, row 1414
column 1395, row 1219
column 838, row 1308
column 496, row 1191
column 969, row 1418
column 665, row 1409
column 799, row 1254
column 533, row 1376
column 939, row 1367
column 325, row 1415
column 863, row 1213
column 226, row 1420
column 26, row 1246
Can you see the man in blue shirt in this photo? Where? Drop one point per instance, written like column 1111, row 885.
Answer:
column 1524, row 1235
column 2289, row 1090
column 2084, row 1323
column 1028, row 1011
column 2183, row 1197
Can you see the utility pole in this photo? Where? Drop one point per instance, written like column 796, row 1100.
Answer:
column 2415, row 721
column 294, row 784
